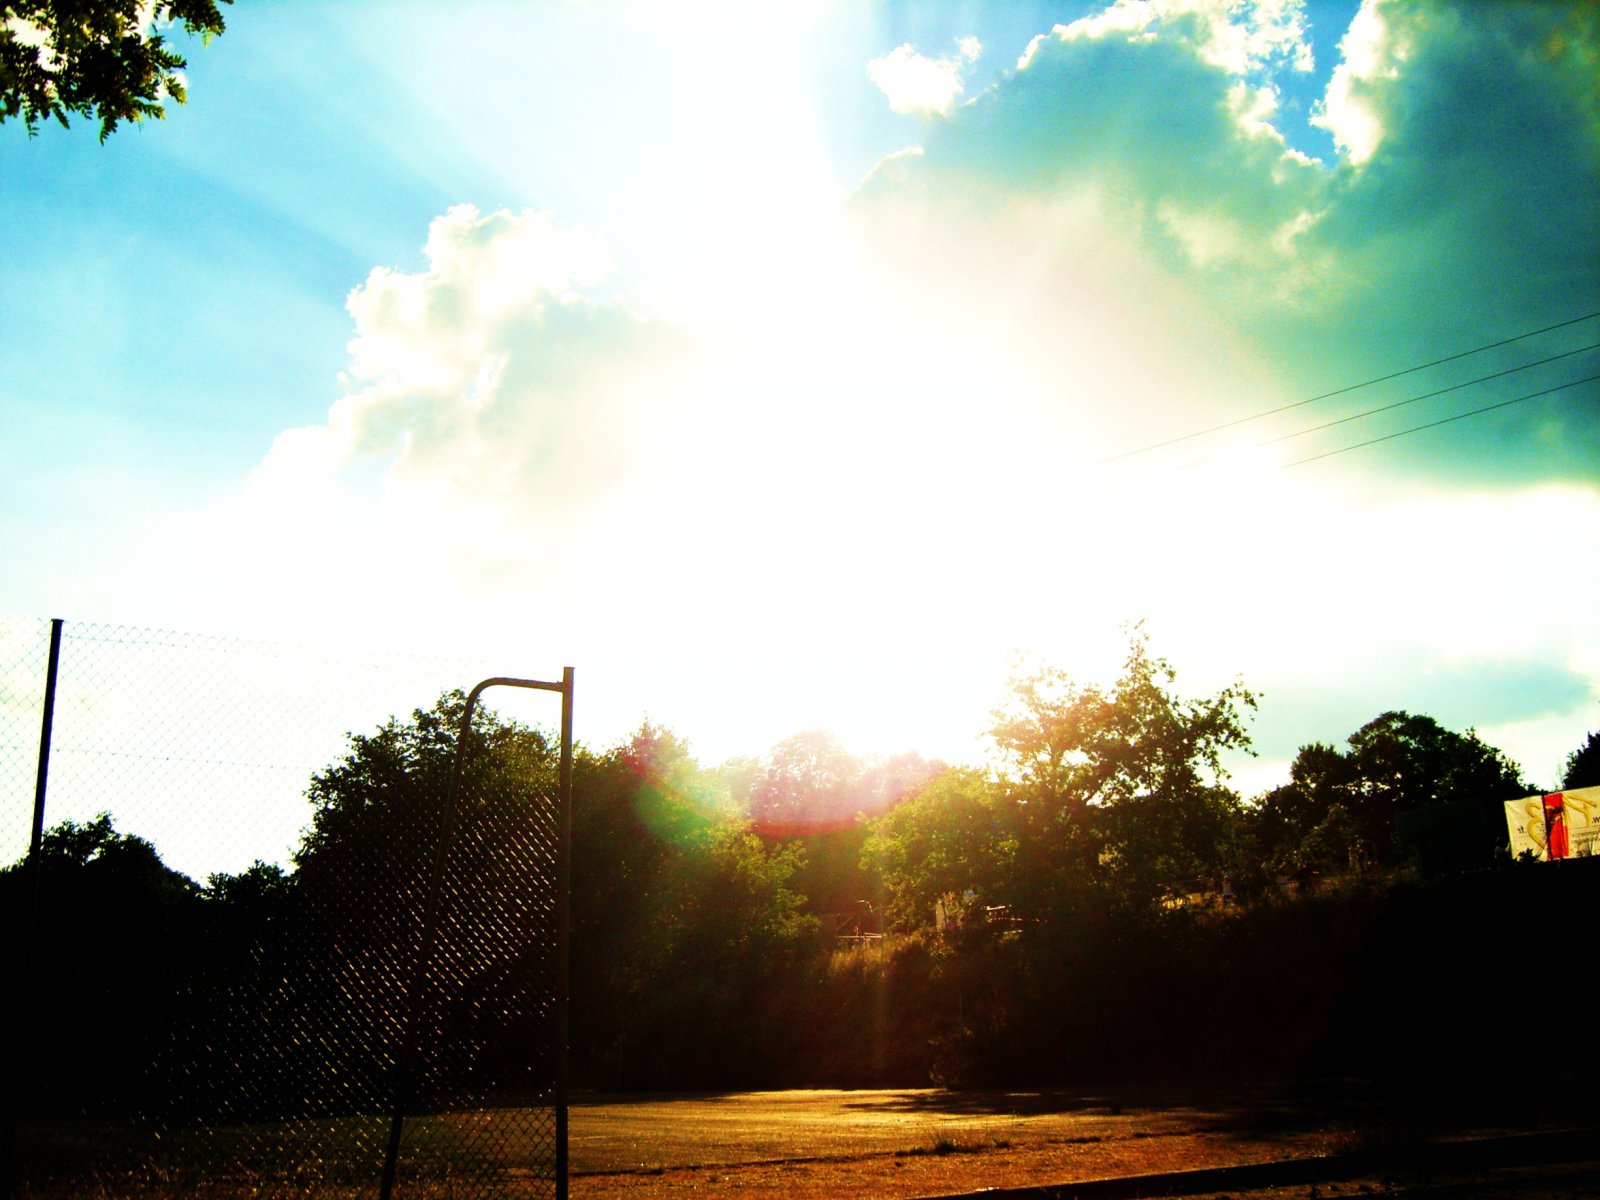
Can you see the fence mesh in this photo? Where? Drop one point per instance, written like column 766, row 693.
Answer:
column 230, row 992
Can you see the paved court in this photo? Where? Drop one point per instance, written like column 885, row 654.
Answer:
column 630, row 1133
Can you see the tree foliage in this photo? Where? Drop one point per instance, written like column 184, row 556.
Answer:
column 1338, row 811
column 697, row 959
column 408, row 889
column 810, row 783
column 1123, row 786
column 112, row 920
column 119, row 863
column 685, row 923
column 1583, row 764
column 955, row 838
column 806, row 781
column 106, row 59
column 378, row 816
column 811, row 795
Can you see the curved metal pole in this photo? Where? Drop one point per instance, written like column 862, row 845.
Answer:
column 430, row 925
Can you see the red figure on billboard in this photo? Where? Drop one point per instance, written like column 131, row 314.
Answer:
column 1555, row 826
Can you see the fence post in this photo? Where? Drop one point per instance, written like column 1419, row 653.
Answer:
column 24, row 1077
column 42, row 776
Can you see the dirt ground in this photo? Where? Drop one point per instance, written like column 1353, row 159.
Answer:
column 899, row 1145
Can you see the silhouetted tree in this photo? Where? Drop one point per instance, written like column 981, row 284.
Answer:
column 686, row 925
column 364, row 871
column 1583, row 764
column 116, row 932
column 102, row 58
column 1338, row 810
column 1306, row 822
column 635, row 809
column 377, row 814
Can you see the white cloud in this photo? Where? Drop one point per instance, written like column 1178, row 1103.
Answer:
column 497, row 406
column 490, row 360
column 1207, row 238
column 1136, row 112
column 1239, row 37
column 917, row 84
column 1246, row 39
column 1352, row 111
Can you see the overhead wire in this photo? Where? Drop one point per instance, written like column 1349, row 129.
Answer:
column 1443, row 421
column 1454, row 387
column 1198, row 433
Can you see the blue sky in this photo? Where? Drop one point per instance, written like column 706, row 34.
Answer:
column 763, row 362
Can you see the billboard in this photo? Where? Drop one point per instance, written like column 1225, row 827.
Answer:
column 1559, row 825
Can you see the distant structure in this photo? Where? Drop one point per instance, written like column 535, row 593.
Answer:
column 862, row 924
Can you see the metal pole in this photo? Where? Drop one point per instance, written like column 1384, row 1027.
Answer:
column 417, row 984
column 563, row 934
column 46, row 724
column 25, row 1076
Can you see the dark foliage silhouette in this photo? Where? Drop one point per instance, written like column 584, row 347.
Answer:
column 105, row 59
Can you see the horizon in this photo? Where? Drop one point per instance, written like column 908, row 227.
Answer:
column 167, row 720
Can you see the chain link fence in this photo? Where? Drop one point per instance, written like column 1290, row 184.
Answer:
column 274, row 941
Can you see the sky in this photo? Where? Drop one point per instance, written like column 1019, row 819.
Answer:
column 796, row 366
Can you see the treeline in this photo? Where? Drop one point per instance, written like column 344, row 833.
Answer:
column 1099, row 905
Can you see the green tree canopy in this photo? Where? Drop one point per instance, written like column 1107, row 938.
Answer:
column 107, row 59
column 1122, row 786
column 1119, row 790
column 954, row 838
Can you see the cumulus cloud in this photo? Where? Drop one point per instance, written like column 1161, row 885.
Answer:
column 1352, row 109
column 491, row 371
column 496, row 404
column 1470, row 163
column 1140, row 121
column 1238, row 36
column 914, row 83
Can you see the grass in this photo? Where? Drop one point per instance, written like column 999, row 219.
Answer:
column 951, row 1145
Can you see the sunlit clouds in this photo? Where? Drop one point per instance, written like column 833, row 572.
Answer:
column 913, row 83
column 882, row 455
column 1351, row 110
column 488, row 372
column 837, row 373
column 1239, row 38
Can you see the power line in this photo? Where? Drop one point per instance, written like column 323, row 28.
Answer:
column 1455, row 387
column 1445, row 421
column 1342, row 391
